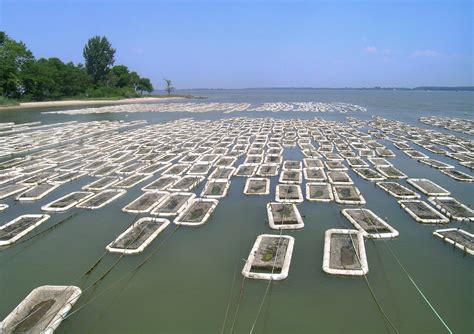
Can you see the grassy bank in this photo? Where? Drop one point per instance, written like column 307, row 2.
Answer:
column 6, row 102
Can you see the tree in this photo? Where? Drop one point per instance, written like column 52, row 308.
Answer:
column 14, row 57
column 144, row 85
column 99, row 57
column 169, row 86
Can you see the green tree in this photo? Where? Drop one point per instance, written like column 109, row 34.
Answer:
column 169, row 86
column 99, row 57
column 14, row 57
column 144, row 85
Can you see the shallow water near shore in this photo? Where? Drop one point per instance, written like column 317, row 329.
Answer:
column 185, row 286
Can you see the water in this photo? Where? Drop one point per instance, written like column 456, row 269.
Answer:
column 186, row 284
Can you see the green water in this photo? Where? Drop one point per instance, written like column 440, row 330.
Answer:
column 185, row 286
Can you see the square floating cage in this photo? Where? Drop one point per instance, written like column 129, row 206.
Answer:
column 186, row 183
column 290, row 176
column 457, row 237
column 344, row 253
column 200, row 168
column 102, row 183
column 319, row 192
column 348, row 195
column 268, row 170
column 371, row 225
column 197, row 212
column 164, row 182
column 357, row 162
column 284, row 216
column 457, row 175
column 269, row 258
column 369, row 174
column 339, row 178
column 42, row 310
column 257, row 186
column 288, row 193
column 12, row 231
column 67, row 201
column 132, row 181
column 177, row 169
column 174, row 204
column 314, row 174
column 12, row 189
column 246, row 170
column 452, row 208
column 428, row 187
column 215, row 188
column 292, row 165
column 397, row 190
column 222, row 173
column 391, row 172
column 66, row 177
column 313, row 163
column 335, row 165
column 423, row 212
column 138, row 236
column 101, row 199
column 146, row 202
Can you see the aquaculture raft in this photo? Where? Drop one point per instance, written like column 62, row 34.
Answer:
column 162, row 183
column 371, row 225
column 11, row 189
column 344, row 253
column 197, row 212
column 341, row 178
column 319, row 192
column 288, row 193
column 428, row 187
column 369, row 174
column 66, row 202
column 423, row 212
column 397, row 190
column 348, row 195
column 284, row 216
column 37, row 192
column 138, row 236
column 101, row 199
column 269, row 258
column 457, row 237
column 146, row 202
column 215, row 188
column 42, row 310
column 186, row 183
column 12, row 231
column 257, row 186
column 452, row 208
column 102, row 183
column 174, row 204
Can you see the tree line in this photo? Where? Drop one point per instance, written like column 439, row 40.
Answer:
column 24, row 77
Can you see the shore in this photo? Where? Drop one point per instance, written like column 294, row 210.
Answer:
column 68, row 103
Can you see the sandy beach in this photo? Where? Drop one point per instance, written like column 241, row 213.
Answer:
column 67, row 103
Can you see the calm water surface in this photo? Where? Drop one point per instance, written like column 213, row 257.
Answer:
column 186, row 285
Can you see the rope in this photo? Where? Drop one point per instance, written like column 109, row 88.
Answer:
column 230, row 297
column 268, row 285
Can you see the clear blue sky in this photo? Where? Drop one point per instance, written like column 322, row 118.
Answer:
column 236, row 44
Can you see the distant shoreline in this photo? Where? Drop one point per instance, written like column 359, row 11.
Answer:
column 71, row 103
column 423, row 88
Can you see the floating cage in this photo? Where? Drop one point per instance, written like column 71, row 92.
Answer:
column 289, row 193
column 246, row 170
column 397, row 190
column 215, row 188
column 284, row 216
column 269, row 258
column 423, row 212
column 436, row 164
column 152, row 168
column 347, row 194
column 101, row 184
column 222, row 173
column 319, row 192
column 290, row 176
column 42, row 310
column 164, row 182
column 428, row 187
column 314, row 174
column 101, row 199
column 344, row 253
column 369, row 174
column 138, row 236
column 257, row 186
column 12, row 231
column 174, row 204
column 313, row 163
column 340, row 178
column 357, row 162
column 371, row 225
column 415, row 154
column 38, row 178
column 390, row 172
column 177, row 169
column 66, row 177
column 66, row 202
column 146, row 202
column 132, row 181
column 12, row 189
column 379, row 162
column 197, row 212
column 452, row 208
column 37, row 192
column 457, row 175
column 186, row 183
column 200, row 168
column 457, row 237
column 292, row 165
column 268, row 170
column 335, row 165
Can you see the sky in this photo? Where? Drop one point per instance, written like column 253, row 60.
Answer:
column 256, row 43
